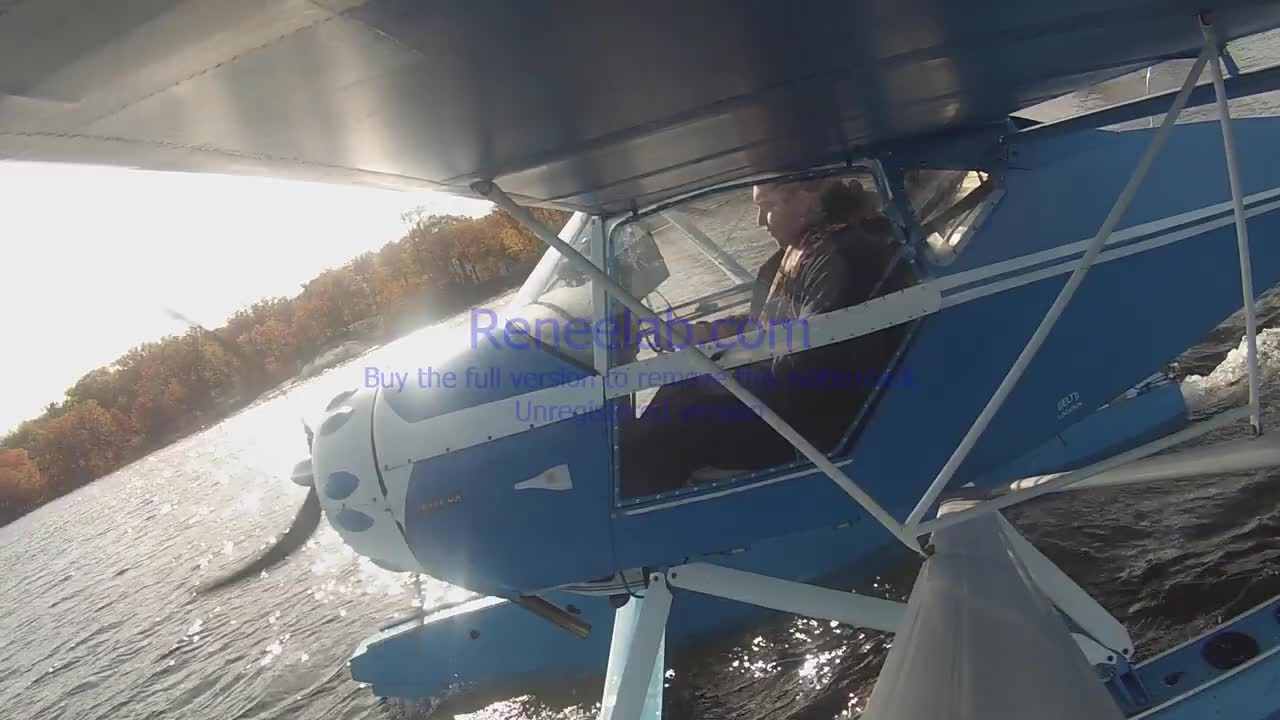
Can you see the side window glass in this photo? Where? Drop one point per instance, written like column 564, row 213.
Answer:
column 950, row 205
column 696, row 263
column 737, row 270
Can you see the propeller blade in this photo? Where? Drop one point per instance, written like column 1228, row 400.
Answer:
column 303, row 527
column 254, row 368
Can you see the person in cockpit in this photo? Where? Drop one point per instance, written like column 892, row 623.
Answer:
column 831, row 240
column 835, row 249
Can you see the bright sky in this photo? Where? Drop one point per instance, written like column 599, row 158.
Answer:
column 90, row 257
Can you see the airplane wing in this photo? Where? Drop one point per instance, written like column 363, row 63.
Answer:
column 587, row 105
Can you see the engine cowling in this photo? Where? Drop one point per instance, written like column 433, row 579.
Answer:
column 454, row 483
column 351, row 489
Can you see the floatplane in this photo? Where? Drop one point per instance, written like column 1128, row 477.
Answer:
column 1046, row 273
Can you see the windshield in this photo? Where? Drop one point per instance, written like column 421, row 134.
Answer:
column 553, row 272
column 555, row 300
column 697, row 262
column 715, row 247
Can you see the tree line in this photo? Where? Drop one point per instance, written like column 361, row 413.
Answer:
column 161, row 391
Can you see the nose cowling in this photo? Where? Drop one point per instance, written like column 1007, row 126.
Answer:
column 501, row 495
column 344, row 470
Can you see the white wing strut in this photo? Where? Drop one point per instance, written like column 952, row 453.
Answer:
column 1060, row 303
column 1242, row 227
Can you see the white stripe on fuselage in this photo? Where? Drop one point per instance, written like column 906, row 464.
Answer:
column 483, row 423
column 1117, row 238
column 1114, row 253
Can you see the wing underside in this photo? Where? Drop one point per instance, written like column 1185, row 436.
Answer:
column 584, row 105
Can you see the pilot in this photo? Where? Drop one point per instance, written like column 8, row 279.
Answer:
column 830, row 236
column 835, row 249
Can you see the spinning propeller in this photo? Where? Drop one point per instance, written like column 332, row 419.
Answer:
column 308, row 518
column 300, row 530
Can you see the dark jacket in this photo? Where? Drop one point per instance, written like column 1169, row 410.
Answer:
column 820, row 391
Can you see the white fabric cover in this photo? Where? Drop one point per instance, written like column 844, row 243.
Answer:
column 981, row 642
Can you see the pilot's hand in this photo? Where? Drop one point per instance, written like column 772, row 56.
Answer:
column 702, row 332
column 697, row 332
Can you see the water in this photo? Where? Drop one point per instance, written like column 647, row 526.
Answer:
column 100, row 618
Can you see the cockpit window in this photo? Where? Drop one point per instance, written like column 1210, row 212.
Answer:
column 950, row 205
column 554, row 305
column 741, row 270
column 691, row 264
column 552, row 272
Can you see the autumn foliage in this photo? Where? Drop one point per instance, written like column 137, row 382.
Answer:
column 161, row 391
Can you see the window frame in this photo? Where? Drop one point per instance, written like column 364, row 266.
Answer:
column 936, row 258
column 905, row 306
